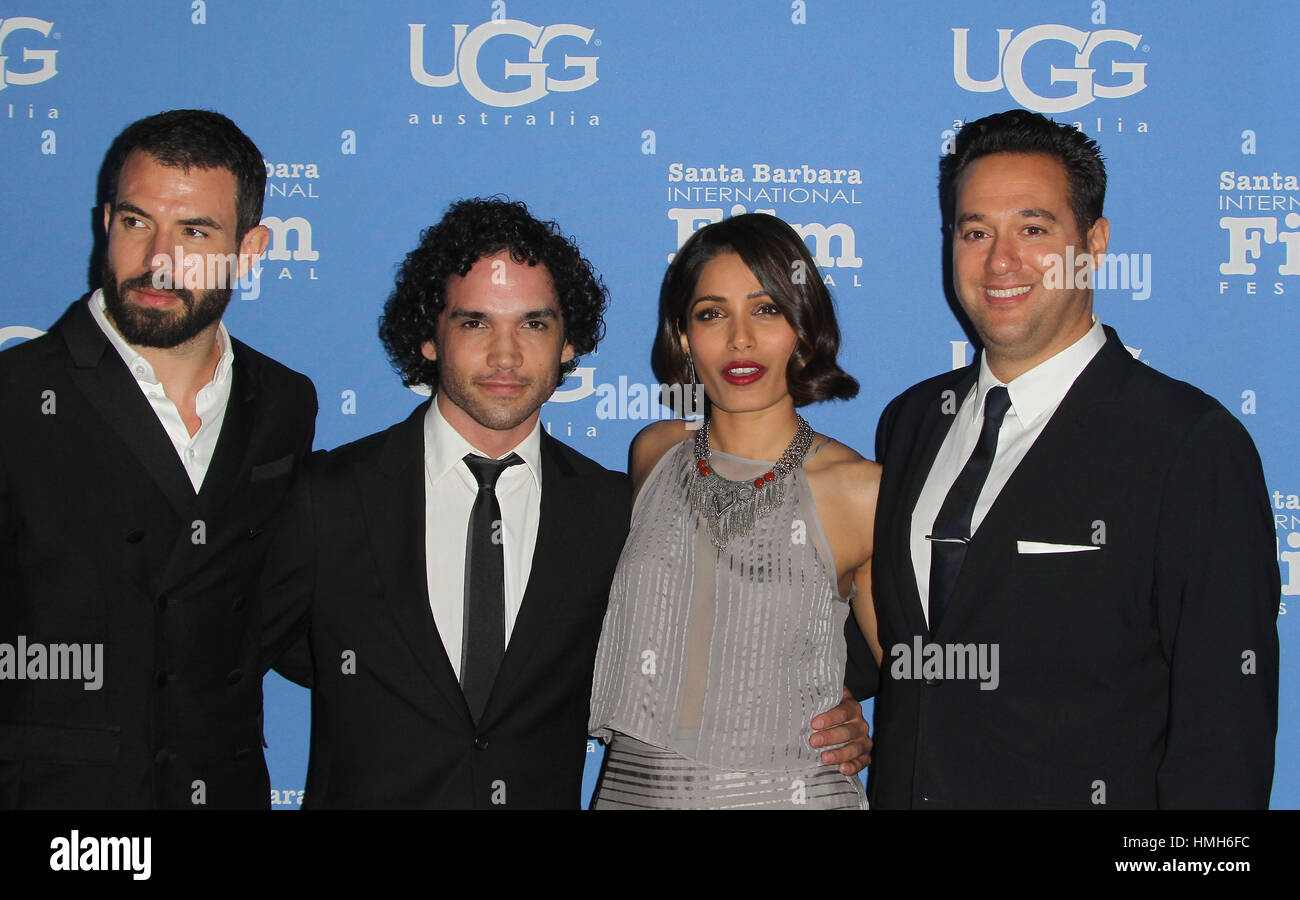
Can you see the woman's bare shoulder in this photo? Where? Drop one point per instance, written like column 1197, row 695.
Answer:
column 845, row 470
column 652, row 442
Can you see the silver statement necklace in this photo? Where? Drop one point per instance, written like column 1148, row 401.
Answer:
column 732, row 507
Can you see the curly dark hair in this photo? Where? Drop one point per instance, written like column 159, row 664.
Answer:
column 471, row 230
column 1025, row 132
column 770, row 248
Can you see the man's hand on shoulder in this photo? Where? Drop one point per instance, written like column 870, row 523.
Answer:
column 843, row 725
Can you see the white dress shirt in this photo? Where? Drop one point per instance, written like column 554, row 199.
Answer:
column 196, row 450
column 449, row 492
column 1035, row 395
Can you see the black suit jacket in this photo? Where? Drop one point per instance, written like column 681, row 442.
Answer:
column 390, row 727
column 104, row 541
column 1141, row 674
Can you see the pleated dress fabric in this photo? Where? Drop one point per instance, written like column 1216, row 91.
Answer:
column 712, row 663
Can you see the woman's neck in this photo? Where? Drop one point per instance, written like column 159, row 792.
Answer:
column 761, row 434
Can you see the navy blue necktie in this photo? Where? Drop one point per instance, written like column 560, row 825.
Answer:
column 483, row 639
column 951, row 530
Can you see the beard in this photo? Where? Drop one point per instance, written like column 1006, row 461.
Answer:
column 496, row 413
column 461, row 386
column 145, row 326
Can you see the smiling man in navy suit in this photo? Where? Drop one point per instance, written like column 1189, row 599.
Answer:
column 1077, row 592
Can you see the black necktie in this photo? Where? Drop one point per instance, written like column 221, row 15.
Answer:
column 952, row 526
column 483, row 639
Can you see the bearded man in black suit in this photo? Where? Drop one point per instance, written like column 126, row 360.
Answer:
column 144, row 456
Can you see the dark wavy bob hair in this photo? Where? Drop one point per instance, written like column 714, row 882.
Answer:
column 471, row 230
column 772, row 250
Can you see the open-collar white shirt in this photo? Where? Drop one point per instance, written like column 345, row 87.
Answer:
column 196, row 450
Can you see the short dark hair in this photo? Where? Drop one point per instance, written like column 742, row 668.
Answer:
column 196, row 139
column 1022, row 131
column 471, row 230
column 771, row 249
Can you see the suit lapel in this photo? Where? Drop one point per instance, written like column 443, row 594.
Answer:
column 234, row 451
column 108, row 385
column 989, row 553
column 232, row 456
column 936, row 421
column 393, row 504
column 558, row 532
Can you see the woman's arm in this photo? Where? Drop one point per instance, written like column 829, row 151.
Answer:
column 864, row 610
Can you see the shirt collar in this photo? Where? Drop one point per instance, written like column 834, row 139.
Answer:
column 1040, row 390
column 137, row 364
column 444, row 448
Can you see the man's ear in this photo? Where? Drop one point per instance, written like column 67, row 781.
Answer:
column 252, row 247
column 108, row 217
column 429, row 350
column 567, row 353
column 1098, row 238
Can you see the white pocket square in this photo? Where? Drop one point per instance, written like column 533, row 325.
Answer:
column 1044, row 547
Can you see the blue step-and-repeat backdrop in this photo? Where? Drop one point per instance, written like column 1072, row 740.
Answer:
column 632, row 124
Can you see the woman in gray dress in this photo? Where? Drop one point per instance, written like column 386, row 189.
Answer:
column 750, row 541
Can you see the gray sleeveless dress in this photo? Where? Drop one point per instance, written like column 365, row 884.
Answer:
column 713, row 662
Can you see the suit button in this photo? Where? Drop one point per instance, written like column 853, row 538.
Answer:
column 134, row 537
column 253, row 532
column 235, row 676
column 242, row 753
column 162, row 757
column 481, row 742
column 239, row 603
column 163, row 602
column 160, row 679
